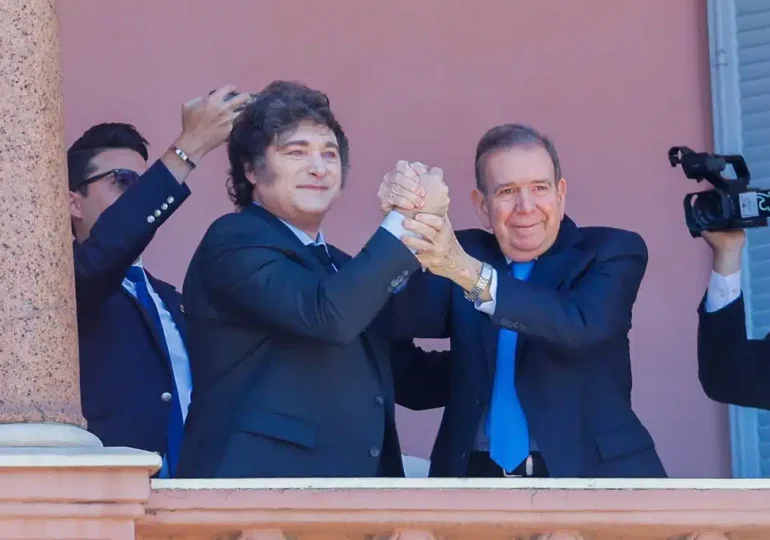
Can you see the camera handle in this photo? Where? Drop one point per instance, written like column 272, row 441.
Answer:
column 704, row 166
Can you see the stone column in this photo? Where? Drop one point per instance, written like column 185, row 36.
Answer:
column 51, row 469
column 39, row 374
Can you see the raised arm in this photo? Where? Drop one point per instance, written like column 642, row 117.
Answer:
column 595, row 308
column 267, row 283
column 420, row 377
column 732, row 368
column 123, row 231
column 420, row 309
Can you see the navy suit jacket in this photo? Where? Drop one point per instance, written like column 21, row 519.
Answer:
column 732, row 368
column 573, row 369
column 292, row 374
column 124, row 369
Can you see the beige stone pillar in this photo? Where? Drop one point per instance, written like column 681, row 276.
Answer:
column 39, row 375
column 56, row 479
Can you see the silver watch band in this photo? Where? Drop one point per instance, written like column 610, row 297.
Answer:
column 485, row 276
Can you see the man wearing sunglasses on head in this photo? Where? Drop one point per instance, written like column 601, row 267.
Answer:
column 134, row 371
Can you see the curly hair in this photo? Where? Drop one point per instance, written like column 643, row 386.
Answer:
column 276, row 110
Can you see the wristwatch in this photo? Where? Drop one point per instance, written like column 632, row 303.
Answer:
column 481, row 284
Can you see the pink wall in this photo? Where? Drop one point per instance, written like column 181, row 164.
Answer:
column 615, row 84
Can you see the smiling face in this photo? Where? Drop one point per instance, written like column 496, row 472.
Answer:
column 302, row 176
column 522, row 201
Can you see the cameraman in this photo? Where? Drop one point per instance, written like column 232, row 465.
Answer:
column 732, row 369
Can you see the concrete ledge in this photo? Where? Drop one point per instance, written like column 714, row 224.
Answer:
column 461, row 508
column 79, row 458
column 379, row 484
column 66, row 493
column 93, row 493
column 48, row 435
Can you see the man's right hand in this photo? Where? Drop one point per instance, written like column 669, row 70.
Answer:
column 412, row 187
column 207, row 121
column 727, row 247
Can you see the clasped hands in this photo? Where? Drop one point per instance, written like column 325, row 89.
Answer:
column 421, row 195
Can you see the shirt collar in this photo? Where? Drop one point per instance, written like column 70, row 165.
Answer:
column 302, row 235
column 509, row 261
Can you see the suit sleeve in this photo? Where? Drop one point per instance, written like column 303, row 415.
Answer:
column 122, row 233
column 598, row 307
column 732, row 368
column 266, row 284
column 421, row 309
column 420, row 377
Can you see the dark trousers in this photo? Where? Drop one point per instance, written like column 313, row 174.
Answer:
column 480, row 465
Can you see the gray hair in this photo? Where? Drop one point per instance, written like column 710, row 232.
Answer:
column 510, row 136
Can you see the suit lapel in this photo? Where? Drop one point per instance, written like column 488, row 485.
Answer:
column 172, row 300
column 550, row 271
column 339, row 257
column 299, row 251
column 151, row 326
column 554, row 266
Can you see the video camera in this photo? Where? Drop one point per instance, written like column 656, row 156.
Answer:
column 732, row 205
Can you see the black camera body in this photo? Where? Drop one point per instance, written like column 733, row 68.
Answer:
column 732, row 205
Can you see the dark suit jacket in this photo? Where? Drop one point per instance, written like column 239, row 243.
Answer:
column 290, row 377
column 573, row 370
column 123, row 368
column 732, row 368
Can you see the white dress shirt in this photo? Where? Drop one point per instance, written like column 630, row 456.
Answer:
column 488, row 307
column 722, row 290
column 180, row 362
column 305, row 237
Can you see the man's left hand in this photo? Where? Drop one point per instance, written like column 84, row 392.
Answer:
column 438, row 250
column 412, row 187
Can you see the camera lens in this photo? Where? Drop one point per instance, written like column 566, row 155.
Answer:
column 708, row 209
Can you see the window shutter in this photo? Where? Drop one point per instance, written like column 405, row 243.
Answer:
column 739, row 54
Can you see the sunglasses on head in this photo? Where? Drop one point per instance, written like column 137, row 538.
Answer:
column 123, row 177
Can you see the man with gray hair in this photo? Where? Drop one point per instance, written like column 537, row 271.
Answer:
column 538, row 313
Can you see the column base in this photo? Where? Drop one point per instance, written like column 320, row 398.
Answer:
column 46, row 435
column 66, row 493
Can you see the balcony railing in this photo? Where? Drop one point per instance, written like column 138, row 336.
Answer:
column 412, row 509
column 107, row 494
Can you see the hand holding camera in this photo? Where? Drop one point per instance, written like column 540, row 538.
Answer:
column 732, row 204
column 721, row 215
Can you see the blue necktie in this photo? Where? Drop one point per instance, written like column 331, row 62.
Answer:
column 507, row 428
column 135, row 274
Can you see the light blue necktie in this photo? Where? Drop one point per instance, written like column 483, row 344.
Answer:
column 507, row 428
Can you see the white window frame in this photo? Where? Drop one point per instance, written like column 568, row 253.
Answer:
column 728, row 139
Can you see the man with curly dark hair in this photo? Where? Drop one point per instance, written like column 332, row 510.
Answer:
column 292, row 367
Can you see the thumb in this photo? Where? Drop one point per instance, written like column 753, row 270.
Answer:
column 192, row 102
